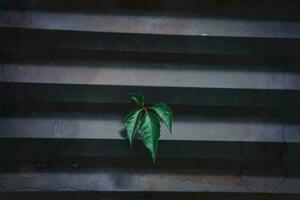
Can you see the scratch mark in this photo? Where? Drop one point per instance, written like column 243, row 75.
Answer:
column 283, row 152
column 56, row 129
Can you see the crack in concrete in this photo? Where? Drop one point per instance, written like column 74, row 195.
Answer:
column 283, row 152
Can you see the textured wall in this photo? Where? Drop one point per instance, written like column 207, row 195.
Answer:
column 229, row 70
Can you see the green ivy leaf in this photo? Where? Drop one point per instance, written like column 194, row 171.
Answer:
column 146, row 121
column 131, row 123
column 149, row 130
column 138, row 98
column 165, row 114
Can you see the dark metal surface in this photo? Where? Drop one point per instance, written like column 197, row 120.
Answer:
column 171, row 153
column 139, row 180
column 229, row 70
column 193, row 75
column 149, row 23
column 110, row 126
column 144, row 42
column 144, row 195
column 19, row 93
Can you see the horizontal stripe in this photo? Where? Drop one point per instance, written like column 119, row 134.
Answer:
column 147, row 24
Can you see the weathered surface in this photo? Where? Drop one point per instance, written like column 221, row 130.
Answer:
column 147, row 23
column 186, row 128
column 188, row 75
column 144, row 43
column 146, row 180
column 105, row 94
column 229, row 70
